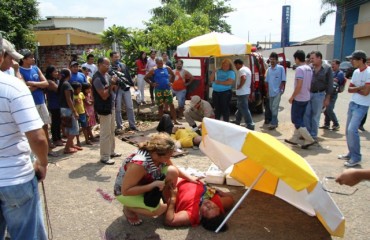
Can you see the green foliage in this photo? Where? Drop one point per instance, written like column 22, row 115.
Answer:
column 129, row 43
column 215, row 10
column 16, row 18
column 98, row 53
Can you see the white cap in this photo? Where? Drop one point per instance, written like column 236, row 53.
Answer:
column 9, row 49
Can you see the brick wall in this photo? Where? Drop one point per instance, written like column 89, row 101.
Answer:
column 60, row 56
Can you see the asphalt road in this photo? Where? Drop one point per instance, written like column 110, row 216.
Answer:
column 78, row 209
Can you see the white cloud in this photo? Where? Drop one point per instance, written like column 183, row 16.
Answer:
column 261, row 18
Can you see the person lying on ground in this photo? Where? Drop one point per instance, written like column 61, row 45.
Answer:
column 144, row 175
column 185, row 138
column 353, row 176
column 192, row 204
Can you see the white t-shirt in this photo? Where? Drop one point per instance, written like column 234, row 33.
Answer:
column 246, row 88
column 18, row 115
column 360, row 78
column 93, row 68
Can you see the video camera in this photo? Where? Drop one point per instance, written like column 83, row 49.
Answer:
column 122, row 81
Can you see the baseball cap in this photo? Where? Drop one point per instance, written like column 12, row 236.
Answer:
column 73, row 63
column 9, row 49
column 359, row 54
column 26, row 53
column 194, row 100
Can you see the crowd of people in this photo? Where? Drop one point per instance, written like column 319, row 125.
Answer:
column 77, row 98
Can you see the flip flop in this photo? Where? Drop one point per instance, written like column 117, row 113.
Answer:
column 53, row 154
column 71, row 150
column 77, row 147
column 133, row 221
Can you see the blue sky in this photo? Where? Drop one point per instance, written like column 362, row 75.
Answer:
column 260, row 18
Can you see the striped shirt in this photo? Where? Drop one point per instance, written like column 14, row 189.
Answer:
column 18, row 115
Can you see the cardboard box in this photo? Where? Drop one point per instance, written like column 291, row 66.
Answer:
column 231, row 181
column 214, row 175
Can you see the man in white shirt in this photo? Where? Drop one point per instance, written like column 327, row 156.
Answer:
column 358, row 107
column 243, row 90
column 90, row 65
column 20, row 210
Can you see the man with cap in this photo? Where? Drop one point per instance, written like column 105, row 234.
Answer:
column 20, row 211
column 76, row 76
column 198, row 110
column 358, row 107
column 9, row 66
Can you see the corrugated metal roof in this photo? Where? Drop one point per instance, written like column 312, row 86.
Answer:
column 321, row 40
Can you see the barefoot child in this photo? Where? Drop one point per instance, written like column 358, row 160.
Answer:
column 78, row 98
column 89, row 109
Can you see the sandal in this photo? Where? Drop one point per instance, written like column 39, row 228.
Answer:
column 53, row 154
column 77, row 147
column 88, row 142
column 58, row 143
column 71, row 150
column 133, row 221
column 177, row 123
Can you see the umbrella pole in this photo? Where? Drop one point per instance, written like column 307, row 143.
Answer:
column 241, row 200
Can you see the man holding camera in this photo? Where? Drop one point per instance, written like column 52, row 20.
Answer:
column 103, row 92
column 123, row 91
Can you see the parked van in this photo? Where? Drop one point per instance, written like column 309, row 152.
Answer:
column 201, row 68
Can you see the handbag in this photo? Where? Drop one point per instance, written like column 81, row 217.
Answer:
column 66, row 121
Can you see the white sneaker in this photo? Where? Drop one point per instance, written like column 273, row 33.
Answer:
column 343, row 157
column 351, row 163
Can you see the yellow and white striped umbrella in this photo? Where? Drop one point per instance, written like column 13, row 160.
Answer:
column 263, row 163
column 214, row 44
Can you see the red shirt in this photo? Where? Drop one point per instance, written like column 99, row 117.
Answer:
column 140, row 65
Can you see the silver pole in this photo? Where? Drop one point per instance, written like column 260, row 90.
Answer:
column 241, row 200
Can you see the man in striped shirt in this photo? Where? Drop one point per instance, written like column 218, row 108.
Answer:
column 20, row 132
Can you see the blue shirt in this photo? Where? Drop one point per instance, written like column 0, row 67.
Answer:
column 274, row 78
column 222, row 76
column 339, row 75
column 78, row 77
column 32, row 74
column 161, row 77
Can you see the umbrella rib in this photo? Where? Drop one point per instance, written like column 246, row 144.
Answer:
column 241, row 200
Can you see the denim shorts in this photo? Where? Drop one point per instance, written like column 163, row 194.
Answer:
column 21, row 211
column 74, row 130
column 83, row 120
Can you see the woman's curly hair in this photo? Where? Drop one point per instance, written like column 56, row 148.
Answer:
column 159, row 142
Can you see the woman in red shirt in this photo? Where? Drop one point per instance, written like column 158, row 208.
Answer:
column 141, row 71
column 192, row 204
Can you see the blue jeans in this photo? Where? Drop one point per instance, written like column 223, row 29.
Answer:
column 329, row 111
column 274, row 106
column 297, row 113
column 221, row 101
column 354, row 117
column 243, row 111
column 129, row 108
column 21, row 212
column 313, row 113
column 180, row 96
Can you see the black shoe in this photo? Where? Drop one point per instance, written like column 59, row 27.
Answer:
column 335, row 128
column 324, row 127
column 235, row 122
column 361, row 128
column 133, row 129
column 115, row 155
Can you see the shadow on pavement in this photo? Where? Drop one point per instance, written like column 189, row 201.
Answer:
column 89, row 170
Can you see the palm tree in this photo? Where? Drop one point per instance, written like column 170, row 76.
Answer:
column 340, row 8
column 115, row 35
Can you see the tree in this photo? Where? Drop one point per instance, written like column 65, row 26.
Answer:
column 114, row 35
column 163, row 36
column 17, row 18
column 214, row 9
column 340, row 6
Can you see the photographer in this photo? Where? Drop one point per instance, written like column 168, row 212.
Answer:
column 103, row 92
column 123, row 73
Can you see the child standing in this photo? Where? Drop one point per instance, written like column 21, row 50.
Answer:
column 78, row 99
column 89, row 109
